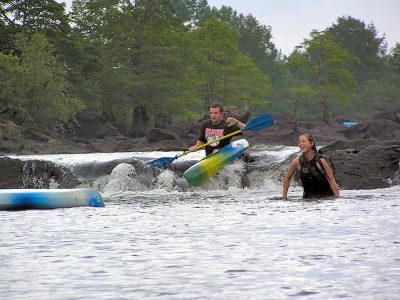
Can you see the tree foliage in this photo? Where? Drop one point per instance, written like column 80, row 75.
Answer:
column 143, row 63
column 40, row 95
column 360, row 41
column 45, row 16
column 326, row 62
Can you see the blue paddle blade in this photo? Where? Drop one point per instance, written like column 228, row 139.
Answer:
column 162, row 163
column 259, row 123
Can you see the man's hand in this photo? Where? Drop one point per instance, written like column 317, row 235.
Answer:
column 231, row 122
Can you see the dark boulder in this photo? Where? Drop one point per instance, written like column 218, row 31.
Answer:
column 11, row 173
column 159, row 134
column 37, row 136
column 392, row 115
column 243, row 115
column 93, row 126
column 88, row 172
column 185, row 129
column 381, row 129
column 34, row 174
column 365, row 164
column 180, row 166
column 9, row 146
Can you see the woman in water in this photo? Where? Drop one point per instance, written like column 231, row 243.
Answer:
column 315, row 173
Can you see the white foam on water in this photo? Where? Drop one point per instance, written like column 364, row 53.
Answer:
column 74, row 159
column 166, row 180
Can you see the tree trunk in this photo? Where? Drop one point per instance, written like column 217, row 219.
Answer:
column 140, row 122
column 324, row 109
column 212, row 87
column 295, row 113
column 324, row 104
column 106, row 111
column 322, row 82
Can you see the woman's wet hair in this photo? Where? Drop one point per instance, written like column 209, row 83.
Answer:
column 311, row 139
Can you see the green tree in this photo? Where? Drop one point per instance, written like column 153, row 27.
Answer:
column 394, row 59
column 41, row 98
column 9, row 70
column 327, row 64
column 360, row 41
column 45, row 16
column 145, row 50
column 299, row 87
column 383, row 93
column 254, row 40
column 192, row 12
column 229, row 76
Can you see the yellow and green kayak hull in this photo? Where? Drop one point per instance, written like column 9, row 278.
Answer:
column 202, row 171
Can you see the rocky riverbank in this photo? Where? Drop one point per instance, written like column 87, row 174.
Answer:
column 94, row 134
column 365, row 156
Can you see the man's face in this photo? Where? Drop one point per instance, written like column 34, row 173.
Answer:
column 215, row 115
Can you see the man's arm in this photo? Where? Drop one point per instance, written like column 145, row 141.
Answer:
column 198, row 144
column 232, row 122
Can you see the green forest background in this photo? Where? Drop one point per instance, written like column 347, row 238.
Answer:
column 148, row 63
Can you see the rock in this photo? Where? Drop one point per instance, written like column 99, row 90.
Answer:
column 159, row 134
column 365, row 164
column 90, row 171
column 180, row 166
column 93, row 126
column 34, row 174
column 392, row 115
column 243, row 115
column 12, row 178
column 9, row 146
column 185, row 129
column 37, row 136
column 374, row 129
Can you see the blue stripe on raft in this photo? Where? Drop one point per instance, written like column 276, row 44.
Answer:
column 95, row 199
column 48, row 199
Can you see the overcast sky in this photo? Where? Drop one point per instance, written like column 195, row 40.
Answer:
column 293, row 20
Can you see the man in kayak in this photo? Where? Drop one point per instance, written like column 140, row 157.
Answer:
column 216, row 127
column 315, row 173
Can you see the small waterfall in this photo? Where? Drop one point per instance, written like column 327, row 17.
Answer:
column 262, row 167
column 122, row 179
column 42, row 174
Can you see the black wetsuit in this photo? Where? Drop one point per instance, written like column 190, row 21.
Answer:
column 314, row 181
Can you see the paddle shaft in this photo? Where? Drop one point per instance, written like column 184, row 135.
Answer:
column 209, row 143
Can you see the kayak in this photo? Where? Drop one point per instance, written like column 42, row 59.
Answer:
column 13, row 199
column 349, row 124
column 208, row 166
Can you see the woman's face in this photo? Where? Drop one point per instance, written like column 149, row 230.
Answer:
column 304, row 144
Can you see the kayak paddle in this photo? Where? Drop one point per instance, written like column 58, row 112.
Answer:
column 257, row 124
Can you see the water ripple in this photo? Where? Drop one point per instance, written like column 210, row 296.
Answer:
column 213, row 244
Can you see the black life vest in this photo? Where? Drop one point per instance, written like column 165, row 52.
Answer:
column 314, row 181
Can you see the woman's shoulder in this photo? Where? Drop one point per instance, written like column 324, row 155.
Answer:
column 296, row 161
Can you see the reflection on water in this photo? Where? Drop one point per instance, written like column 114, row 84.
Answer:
column 218, row 244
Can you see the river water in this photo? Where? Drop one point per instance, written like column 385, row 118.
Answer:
column 217, row 242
